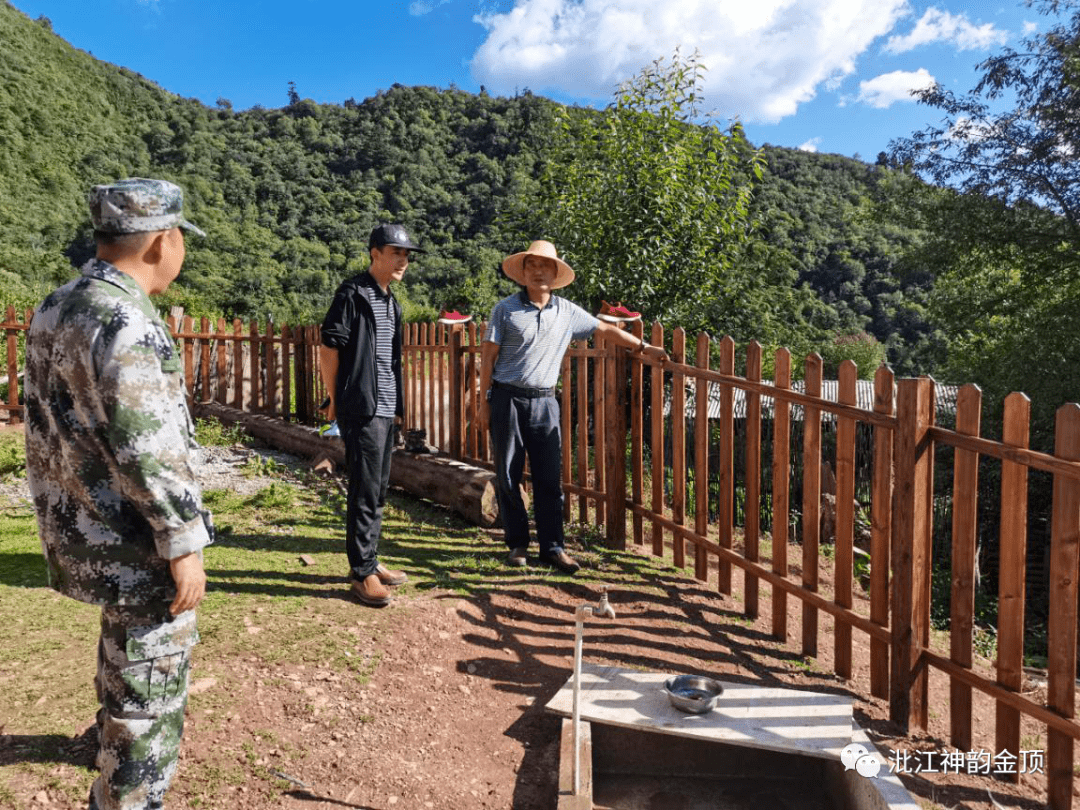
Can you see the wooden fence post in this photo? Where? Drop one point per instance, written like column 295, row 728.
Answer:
column 1061, row 624
column 964, row 561
column 881, row 511
column 752, row 510
column 781, row 485
column 1012, row 565
column 637, row 435
column 206, row 390
column 843, row 543
column 457, row 393
column 187, row 327
column 726, row 507
column 701, row 463
column 238, row 365
column 14, row 412
column 614, row 365
column 656, row 430
column 811, row 503
column 678, row 447
column 913, row 518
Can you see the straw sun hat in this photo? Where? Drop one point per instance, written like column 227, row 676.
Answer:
column 514, row 266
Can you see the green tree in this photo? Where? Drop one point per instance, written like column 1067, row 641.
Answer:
column 1005, row 236
column 650, row 206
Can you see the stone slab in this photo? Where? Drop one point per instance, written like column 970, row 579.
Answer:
column 788, row 720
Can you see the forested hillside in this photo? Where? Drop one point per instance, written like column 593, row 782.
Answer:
column 288, row 196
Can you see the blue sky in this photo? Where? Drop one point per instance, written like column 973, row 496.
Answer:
column 823, row 75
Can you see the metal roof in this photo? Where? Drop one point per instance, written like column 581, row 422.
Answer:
column 864, row 398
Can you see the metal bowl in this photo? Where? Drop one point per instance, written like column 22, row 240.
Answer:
column 694, row 694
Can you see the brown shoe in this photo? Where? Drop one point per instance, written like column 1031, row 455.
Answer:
column 371, row 591
column 561, row 560
column 388, row 577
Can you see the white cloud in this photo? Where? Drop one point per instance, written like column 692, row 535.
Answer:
column 885, row 90
column 941, row 26
column 810, row 145
column 418, row 8
column 764, row 58
column 1030, row 28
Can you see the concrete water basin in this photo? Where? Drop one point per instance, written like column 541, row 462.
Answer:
column 761, row 748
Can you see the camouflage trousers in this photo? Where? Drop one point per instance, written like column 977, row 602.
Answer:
column 142, row 678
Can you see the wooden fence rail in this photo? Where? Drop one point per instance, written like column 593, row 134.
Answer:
column 649, row 453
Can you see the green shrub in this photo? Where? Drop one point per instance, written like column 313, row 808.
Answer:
column 12, row 454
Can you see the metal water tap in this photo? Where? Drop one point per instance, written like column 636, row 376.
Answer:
column 602, row 608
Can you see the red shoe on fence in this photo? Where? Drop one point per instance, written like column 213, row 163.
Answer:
column 617, row 313
column 451, row 318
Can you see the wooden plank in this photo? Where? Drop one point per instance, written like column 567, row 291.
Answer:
column 482, row 439
column 1062, row 622
column 725, row 512
column 881, row 499
column 238, row 365
column 189, row 360
column 678, row 448
column 781, row 487
column 12, row 367
column 964, row 562
column 566, row 425
column 222, row 369
column 286, row 372
column 599, row 422
column 583, row 434
column 752, row 520
column 206, row 391
column 811, row 502
column 813, row 724
column 457, row 394
column 442, row 372
column 637, row 435
column 701, row 460
column 255, row 351
column 656, row 450
column 913, row 516
column 271, row 392
column 843, row 559
column 615, row 445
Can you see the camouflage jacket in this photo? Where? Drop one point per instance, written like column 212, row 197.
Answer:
column 109, row 442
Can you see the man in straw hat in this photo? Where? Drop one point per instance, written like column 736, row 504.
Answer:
column 526, row 338
column 109, row 457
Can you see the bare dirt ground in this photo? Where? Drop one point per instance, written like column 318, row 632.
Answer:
column 448, row 709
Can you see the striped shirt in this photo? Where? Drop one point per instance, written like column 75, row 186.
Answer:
column 532, row 341
column 382, row 304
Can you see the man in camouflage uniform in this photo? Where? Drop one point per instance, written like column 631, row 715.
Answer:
column 109, row 444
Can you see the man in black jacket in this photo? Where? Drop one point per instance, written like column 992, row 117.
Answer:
column 360, row 359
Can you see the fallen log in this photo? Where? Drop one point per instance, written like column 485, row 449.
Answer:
column 464, row 488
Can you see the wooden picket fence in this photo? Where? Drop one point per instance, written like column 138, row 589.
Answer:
column 619, row 410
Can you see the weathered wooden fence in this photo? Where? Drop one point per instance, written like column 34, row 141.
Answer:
column 618, row 410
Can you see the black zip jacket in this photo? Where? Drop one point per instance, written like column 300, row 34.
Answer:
column 349, row 327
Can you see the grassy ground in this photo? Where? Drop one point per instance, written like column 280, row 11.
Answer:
column 276, row 593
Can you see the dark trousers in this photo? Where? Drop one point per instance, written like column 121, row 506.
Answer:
column 368, row 445
column 522, row 427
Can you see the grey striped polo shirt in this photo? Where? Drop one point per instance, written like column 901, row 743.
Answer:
column 532, row 341
column 382, row 304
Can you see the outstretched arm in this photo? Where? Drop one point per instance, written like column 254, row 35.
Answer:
column 620, row 337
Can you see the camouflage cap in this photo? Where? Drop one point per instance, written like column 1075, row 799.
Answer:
column 138, row 205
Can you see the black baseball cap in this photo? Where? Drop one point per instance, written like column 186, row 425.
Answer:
column 394, row 235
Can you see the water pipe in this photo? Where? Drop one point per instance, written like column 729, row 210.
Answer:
column 603, row 608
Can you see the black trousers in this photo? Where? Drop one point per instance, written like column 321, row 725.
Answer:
column 522, row 427
column 368, row 445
